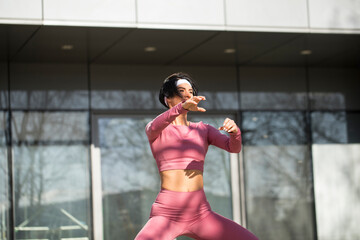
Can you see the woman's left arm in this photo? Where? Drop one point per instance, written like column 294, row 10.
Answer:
column 231, row 144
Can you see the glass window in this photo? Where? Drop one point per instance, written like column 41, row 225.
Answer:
column 329, row 127
column 51, row 175
column 277, row 175
column 126, row 87
column 3, row 86
column 130, row 178
column 336, row 151
column 137, row 87
column 335, row 127
column 334, row 88
column 4, row 181
column 49, row 86
column 218, row 85
column 353, row 127
column 264, row 88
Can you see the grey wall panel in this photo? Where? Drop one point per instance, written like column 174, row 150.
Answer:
column 265, row 13
column 343, row 14
column 90, row 10
column 21, row 9
column 200, row 12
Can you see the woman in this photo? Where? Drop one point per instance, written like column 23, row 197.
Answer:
column 179, row 148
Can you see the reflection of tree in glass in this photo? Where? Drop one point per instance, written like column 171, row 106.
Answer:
column 127, row 162
column 125, row 99
column 278, row 179
column 47, row 172
column 3, row 98
column 4, row 200
column 49, row 99
column 329, row 127
column 273, row 100
column 130, row 177
column 274, row 128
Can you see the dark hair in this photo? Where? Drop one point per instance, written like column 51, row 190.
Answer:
column 169, row 89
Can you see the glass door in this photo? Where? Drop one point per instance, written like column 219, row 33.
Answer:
column 126, row 180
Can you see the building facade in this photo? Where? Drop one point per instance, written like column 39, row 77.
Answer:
column 79, row 80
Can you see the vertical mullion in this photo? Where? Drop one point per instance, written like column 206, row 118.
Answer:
column 235, row 188
column 97, row 204
column 242, row 190
column 310, row 141
column 240, row 168
column 11, row 190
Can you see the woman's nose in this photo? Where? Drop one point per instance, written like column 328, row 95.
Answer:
column 187, row 94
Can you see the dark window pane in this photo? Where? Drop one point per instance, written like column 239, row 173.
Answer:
column 137, row 87
column 272, row 88
column 334, row 88
column 3, row 86
column 353, row 127
column 126, row 87
column 49, row 86
column 219, row 86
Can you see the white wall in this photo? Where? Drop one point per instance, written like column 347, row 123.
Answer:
column 185, row 12
column 265, row 13
column 95, row 11
column 334, row 16
column 20, row 9
column 343, row 14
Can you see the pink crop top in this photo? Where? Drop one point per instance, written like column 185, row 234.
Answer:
column 185, row 147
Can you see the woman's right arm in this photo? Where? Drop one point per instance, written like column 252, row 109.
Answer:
column 155, row 127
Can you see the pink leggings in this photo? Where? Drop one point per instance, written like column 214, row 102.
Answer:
column 189, row 214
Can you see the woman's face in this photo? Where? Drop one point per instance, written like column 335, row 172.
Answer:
column 185, row 91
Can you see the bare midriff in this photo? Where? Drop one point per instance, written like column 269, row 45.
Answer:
column 182, row 180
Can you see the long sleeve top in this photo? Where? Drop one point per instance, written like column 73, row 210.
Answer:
column 185, row 147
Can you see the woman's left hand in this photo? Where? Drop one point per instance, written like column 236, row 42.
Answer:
column 229, row 126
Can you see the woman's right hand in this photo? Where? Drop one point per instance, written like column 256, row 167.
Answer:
column 191, row 104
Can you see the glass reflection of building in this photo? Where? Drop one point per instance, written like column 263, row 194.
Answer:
column 72, row 130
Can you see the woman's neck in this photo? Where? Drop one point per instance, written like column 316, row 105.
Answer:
column 181, row 120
